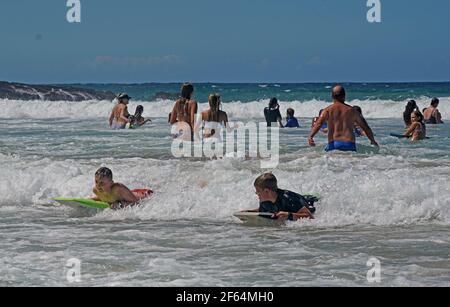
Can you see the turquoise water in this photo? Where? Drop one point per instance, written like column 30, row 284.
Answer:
column 285, row 92
column 392, row 203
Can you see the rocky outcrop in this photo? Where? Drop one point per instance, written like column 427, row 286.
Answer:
column 166, row 96
column 18, row 91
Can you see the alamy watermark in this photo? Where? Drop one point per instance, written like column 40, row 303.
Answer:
column 239, row 140
column 74, row 13
column 73, row 274
column 374, row 273
column 374, row 13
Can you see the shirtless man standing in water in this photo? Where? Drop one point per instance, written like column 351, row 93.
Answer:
column 341, row 119
column 119, row 117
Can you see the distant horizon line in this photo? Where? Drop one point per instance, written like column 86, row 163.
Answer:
column 212, row 82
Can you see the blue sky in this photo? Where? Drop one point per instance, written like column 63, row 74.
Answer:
column 224, row 41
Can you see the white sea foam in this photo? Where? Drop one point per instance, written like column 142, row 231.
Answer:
column 237, row 109
column 378, row 190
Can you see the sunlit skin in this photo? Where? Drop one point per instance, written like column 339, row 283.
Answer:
column 314, row 121
column 223, row 119
column 341, row 119
column 187, row 118
column 115, row 194
column 269, row 195
column 120, row 113
column 415, row 130
column 433, row 111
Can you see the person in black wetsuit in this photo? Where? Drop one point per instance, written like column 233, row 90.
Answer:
column 283, row 203
column 272, row 113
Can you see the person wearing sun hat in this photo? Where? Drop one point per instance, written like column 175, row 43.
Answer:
column 120, row 117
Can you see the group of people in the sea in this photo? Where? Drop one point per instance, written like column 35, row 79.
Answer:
column 120, row 118
column 416, row 121
column 342, row 123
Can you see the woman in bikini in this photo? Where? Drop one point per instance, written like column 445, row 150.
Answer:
column 183, row 113
column 120, row 117
column 213, row 119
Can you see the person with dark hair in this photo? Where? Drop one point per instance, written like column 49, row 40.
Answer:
column 291, row 121
column 417, row 130
column 137, row 120
column 341, row 119
column 410, row 107
column 272, row 113
column 431, row 114
column 115, row 194
column 120, row 117
column 184, row 111
column 282, row 203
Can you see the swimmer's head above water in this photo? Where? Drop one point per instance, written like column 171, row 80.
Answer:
column 435, row 102
column 290, row 112
column 139, row 111
column 266, row 187
column 273, row 103
column 123, row 98
column 103, row 179
column 338, row 93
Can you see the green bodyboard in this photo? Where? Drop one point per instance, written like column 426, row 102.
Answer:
column 82, row 202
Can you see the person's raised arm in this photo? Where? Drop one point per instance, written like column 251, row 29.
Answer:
column 315, row 129
column 365, row 127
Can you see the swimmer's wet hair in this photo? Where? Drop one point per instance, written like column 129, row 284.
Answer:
column 267, row 181
column 273, row 102
column 104, row 172
column 290, row 112
column 139, row 110
column 186, row 91
column 434, row 102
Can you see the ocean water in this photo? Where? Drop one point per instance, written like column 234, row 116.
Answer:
column 392, row 204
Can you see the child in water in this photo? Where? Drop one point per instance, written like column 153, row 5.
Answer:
column 115, row 194
column 417, row 131
column 292, row 122
column 282, row 203
column 138, row 120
